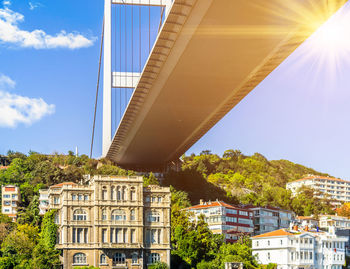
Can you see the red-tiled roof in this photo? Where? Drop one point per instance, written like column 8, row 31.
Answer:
column 280, row 232
column 4, row 167
column 305, row 218
column 63, row 184
column 214, row 204
column 320, row 177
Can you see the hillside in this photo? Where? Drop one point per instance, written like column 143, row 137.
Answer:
column 233, row 177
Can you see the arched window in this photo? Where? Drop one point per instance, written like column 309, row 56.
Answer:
column 119, row 195
column 118, row 215
column 57, row 218
column 104, row 193
column 134, row 258
column 153, row 258
column 103, row 259
column 113, row 193
column 79, row 258
column 124, row 193
column 153, row 216
column 118, row 258
column 132, row 194
column 79, row 214
column 104, row 214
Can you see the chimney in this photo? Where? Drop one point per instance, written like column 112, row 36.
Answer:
column 201, row 202
column 295, row 228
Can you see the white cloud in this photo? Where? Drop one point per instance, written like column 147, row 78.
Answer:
column 6, row 3
column 6, row 82
column 16, row 109
column 38, row 39
column 33, row 5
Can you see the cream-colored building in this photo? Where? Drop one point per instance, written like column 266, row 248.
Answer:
column 326, row 187
column 11, row 196
column 112, row 222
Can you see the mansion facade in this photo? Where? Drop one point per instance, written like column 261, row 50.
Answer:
column 111, row 222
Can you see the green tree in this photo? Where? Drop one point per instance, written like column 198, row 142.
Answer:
column 158, row 265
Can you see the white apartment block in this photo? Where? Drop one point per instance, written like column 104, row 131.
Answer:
column 296, row 249
column 11, row 198
column 43, row 201
column 338, row 222
column 334, row 188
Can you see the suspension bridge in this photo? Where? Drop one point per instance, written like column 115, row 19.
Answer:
column 173, row 68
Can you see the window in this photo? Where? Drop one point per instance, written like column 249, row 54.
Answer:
column 153, row 258
column 80, row 197
column 57, row 218
column 119, row 194
column 14, row 196
column 74, row 197
column 118, row 258
column 104, row 235
column 104, row 214
column 113, row 193
column 134, row 258
column 153, row 216
column 148, row 199
column 56, row 200
column 132, row 236
column 79, row 258
column 86, row 197
column 257, row 243
column 281, row 242
column 80, row 235
column 103, row 259
column 159, row 199
column 104, row 193
column 79, row 215
column 243, row 213
column 132, row 214
column 132, row 194
column 7, row 203
column 118, row 215
column 7, row 196
column 118, row 235
column 268, row 242
column 268, row 256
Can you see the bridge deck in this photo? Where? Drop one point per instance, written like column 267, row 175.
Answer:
column 208, row 56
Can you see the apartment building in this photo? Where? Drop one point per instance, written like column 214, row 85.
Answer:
column 11, row 197
column 295, row 249
column 43, row 201
column 326, row 187
column 111, row 222
column 267, row 219
column 326, row 222
column 307, row 222
column 223, row 218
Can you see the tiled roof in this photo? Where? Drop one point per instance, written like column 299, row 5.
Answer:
column 63, row 184
column 4, row 167
column 280, row 232
column 213, row 204
column 319, row 177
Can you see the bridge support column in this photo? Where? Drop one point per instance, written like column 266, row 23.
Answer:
column 107, row 80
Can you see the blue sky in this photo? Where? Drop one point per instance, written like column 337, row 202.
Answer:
column 301, row 112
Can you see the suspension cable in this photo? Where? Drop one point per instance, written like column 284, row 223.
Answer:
column 97, row 87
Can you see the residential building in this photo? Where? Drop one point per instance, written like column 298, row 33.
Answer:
column 43, row 201
column 307, row 222
column 11, row 198
column 226, row 219
column 325, row 187
column 338, row 222
column 267, row 219
column 294, row 249
column 111, row 222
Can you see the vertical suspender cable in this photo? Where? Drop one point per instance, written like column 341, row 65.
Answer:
column 97, row 86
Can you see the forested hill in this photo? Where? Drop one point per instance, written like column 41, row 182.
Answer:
column 233, row 177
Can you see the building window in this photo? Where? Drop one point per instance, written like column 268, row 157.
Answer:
column 132, row 236
column 159, row 199
column 80, row 197
column 268, row 256
column 118, row 258
column 79, row 215
column 104, row 214
column 134, row 258
column 257, row 243
column 153, row 216
column 57, row 218
column 132, row 194
column 79, row 258
column 103, row 259
column 80, row 235
column 104, row 193
column 86, row 197
column 56, row 200
column 118, row 215
column 268, row 242
column 153, row 258
column 74, row 197
column 104, row 235
column 119, row 194
column 132, row 214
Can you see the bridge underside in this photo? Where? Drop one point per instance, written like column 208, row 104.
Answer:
column 208, row 56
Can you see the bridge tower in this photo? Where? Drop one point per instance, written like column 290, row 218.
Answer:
column 121, row 79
